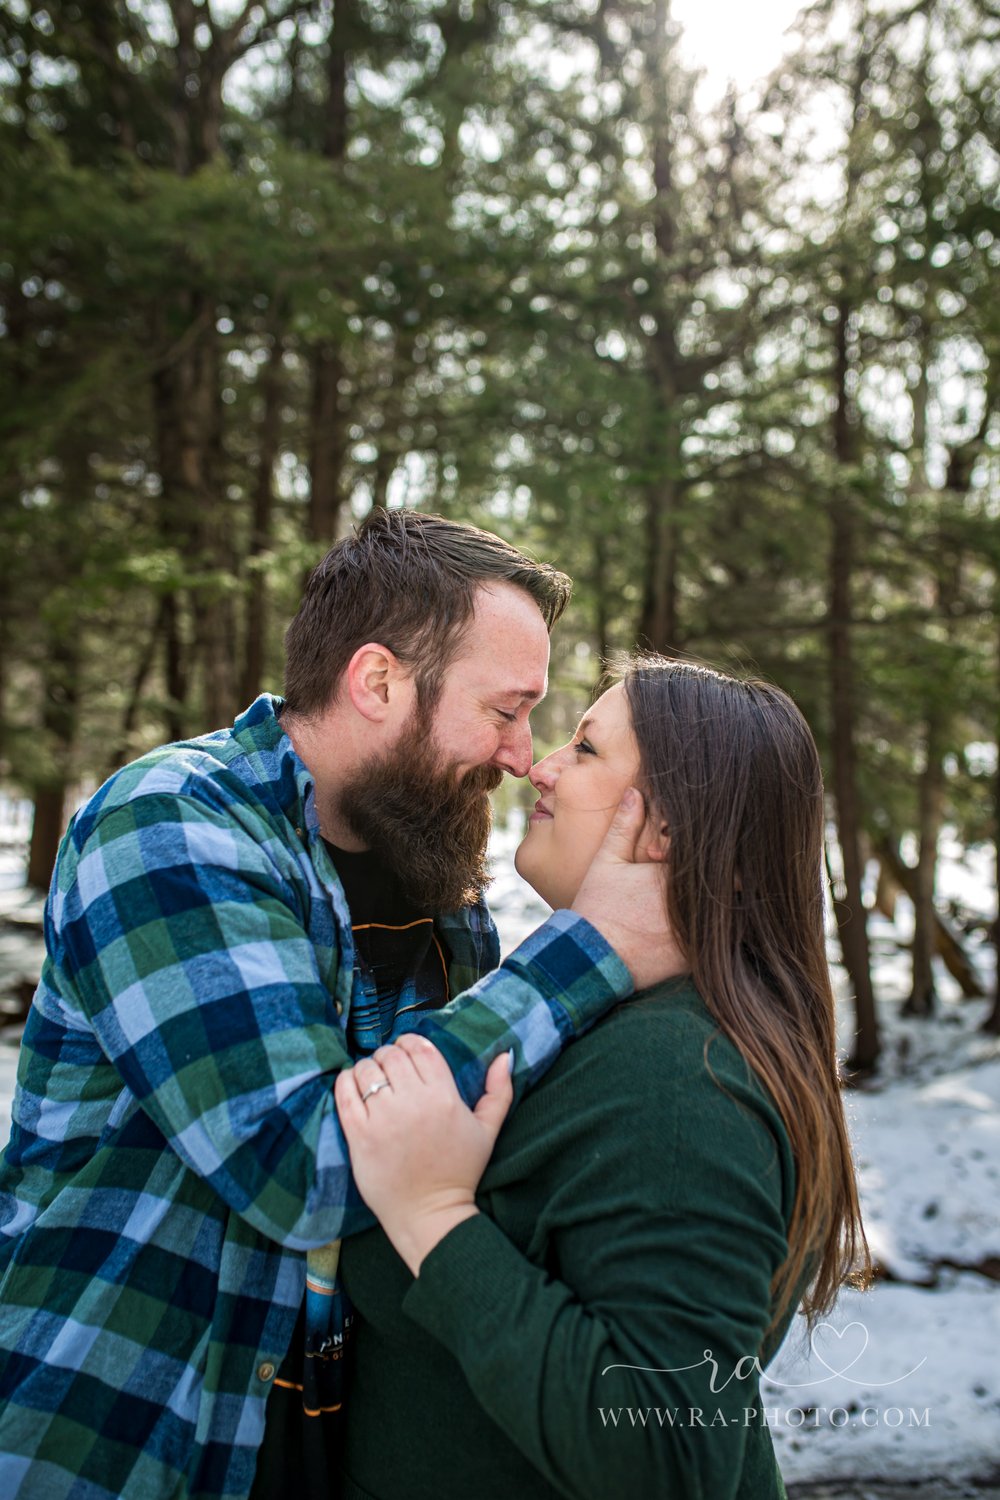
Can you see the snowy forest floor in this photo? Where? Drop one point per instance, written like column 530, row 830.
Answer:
column 897, row 1394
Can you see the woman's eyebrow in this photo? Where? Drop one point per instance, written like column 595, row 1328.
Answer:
column 584, row 725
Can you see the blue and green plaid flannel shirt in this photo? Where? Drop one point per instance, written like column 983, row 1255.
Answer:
column 175, row 1150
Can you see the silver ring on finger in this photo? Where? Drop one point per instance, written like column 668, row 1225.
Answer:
column 382, row 1083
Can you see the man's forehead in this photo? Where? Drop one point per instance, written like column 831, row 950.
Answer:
column 506, row 650
column 505, row 682
column 524, row 686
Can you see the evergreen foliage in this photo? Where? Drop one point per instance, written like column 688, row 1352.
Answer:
column 735, row 368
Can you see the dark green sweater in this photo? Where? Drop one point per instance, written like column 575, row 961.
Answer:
column 634, row 1213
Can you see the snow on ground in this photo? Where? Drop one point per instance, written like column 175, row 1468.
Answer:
column 901, row 1382
column 929, row 1158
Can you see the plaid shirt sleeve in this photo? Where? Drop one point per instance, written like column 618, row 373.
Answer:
column 551, row 989
column 183, row 939
column 184, row 942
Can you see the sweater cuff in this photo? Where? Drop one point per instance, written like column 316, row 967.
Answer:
column 569, row 962
column 468, row 1285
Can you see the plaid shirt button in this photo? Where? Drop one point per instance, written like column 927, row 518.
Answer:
column 265, row 1371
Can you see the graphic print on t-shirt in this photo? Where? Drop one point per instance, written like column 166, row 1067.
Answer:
column 397, row 954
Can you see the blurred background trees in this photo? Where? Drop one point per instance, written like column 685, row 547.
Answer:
column 735, row 366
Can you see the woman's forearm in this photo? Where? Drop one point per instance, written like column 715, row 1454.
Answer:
column 542, row 1365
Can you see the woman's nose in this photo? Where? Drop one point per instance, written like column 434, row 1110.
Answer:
column 545, row 773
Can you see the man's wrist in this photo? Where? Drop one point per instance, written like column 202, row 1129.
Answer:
column 569, row 961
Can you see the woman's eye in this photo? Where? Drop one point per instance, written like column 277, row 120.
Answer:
column 583, row 747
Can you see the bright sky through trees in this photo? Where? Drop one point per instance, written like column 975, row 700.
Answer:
column 733, row 40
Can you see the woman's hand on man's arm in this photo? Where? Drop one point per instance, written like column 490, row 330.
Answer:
column 417, row 1150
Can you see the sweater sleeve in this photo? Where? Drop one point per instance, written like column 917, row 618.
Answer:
column 633, row 1350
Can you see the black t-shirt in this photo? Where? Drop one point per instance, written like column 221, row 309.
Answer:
column 401, row 967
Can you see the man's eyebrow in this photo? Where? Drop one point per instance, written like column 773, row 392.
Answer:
column 529, row 695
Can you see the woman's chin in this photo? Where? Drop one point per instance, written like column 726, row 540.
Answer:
column 525, row 867
column 546, row 892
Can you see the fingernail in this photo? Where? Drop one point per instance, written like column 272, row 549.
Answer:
column 510, row 1060
column 628, row 800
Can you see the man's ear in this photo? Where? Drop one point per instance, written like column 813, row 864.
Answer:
column 376, row 682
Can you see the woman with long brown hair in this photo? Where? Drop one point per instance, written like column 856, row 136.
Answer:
column 589, row 1313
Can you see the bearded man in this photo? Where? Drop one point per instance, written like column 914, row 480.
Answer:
column 233, row 920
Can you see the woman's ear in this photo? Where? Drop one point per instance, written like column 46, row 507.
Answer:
column 654, row 844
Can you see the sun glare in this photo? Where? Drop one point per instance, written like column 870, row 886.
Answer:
column 733, row 41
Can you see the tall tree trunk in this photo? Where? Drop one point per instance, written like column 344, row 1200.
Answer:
column 930, row 804
column 48, row 816
column 327, row 416
column 6, row 594
column 602, row 632
column 195, row 522
column 213, row 602
column 327, row 445
column 848, row 906
column 658, row 623
column 951, row 501
column 930, row 786
column 263, row 515
column 174, row 668
column 992, row 1022
column 59, row 723
column 847, row 901
column 140, row 677
column 188, row 413
column 61, row 663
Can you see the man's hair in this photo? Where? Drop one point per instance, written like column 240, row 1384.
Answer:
column 407, row 580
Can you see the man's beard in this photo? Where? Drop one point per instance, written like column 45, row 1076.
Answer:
column 430, row 827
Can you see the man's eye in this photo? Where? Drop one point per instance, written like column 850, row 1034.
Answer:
column 584, row 747
column 511, row 718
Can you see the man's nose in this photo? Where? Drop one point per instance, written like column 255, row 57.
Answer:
column 514, row 754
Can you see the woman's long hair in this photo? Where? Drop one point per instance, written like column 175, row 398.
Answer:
column 731, row 769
